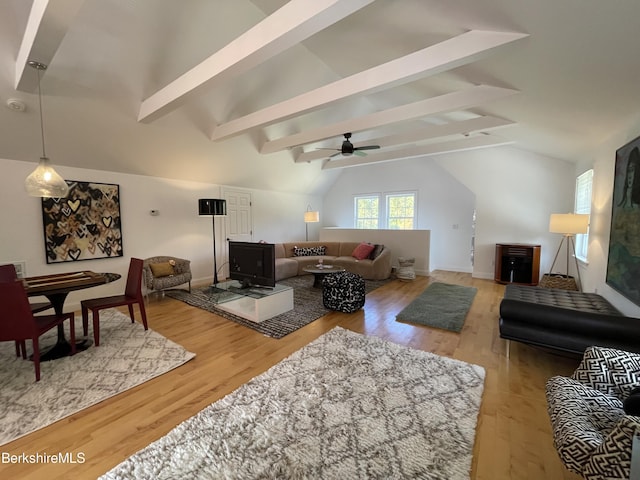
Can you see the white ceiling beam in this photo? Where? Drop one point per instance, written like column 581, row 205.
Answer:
column 47, row 25
column 461, row 50
column 419, row 135
column 289, row 25
column 471, row 143
column 459, row 100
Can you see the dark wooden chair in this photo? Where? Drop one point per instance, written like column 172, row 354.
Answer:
column 8, row 274
column 132, row 295
column 17, row 322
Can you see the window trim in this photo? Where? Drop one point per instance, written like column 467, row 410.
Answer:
column 583, row 181
column 405, row 193
column 360, row 196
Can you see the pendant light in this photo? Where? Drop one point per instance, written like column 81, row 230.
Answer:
column 44, row 181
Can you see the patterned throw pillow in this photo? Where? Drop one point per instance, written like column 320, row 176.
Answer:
column 309, row 251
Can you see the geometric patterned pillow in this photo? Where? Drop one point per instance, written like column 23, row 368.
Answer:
column 308, row 251
column 612, row 371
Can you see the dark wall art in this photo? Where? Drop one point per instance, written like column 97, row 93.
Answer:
column 623, row 266
column 83, row 226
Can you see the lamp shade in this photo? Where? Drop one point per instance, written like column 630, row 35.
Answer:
column 569, row 223
column 45, row 182
column 212, row 206
column 311, row 217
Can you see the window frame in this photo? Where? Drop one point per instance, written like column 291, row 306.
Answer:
column 582, row 204
column 356, row 218
column 406, row 194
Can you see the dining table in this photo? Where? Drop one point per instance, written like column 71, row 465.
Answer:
column 56, row 288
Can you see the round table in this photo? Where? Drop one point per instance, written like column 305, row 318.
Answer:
column 320, row 272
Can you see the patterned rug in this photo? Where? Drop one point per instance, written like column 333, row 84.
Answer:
column 441, row 305
column 307, row 306
column 127, row 356
column 346, row 406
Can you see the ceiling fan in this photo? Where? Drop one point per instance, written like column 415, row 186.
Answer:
column 347, row 148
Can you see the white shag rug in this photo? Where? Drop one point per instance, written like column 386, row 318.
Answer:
column 346, row 406
column 127, row 356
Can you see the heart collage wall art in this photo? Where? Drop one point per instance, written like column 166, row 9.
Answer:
column 85, row 225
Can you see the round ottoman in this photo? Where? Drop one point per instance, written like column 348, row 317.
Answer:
column 343, row 292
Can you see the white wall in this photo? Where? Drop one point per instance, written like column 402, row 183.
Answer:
column 513, row 192
column 177, row 231
column 603, row 163
column 445, row 206
column 516, row 192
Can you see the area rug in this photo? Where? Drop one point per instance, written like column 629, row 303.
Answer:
column 127, row 356
column 344, row 406
column 307, row 306
column 441, row 305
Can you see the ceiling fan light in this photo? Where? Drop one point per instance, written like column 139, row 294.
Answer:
column 44, row 181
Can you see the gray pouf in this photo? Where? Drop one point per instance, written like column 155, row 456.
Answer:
column 343, row 292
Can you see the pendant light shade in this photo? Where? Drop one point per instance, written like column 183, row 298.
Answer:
column 44, row 181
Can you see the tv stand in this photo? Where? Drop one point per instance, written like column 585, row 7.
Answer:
column 255, row 304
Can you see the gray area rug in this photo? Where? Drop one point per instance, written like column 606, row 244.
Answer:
column 441, row 305
column 346, row 406
column 307, row 306
column 127, row 356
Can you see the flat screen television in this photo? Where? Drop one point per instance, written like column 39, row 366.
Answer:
column 252, row 264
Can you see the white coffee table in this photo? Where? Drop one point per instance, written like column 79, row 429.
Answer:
column 256, row 304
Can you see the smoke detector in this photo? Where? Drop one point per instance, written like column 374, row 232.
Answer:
column 16, row 105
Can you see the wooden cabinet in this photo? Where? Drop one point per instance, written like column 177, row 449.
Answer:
column 517, row 263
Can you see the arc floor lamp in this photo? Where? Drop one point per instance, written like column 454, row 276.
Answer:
column 213, row 207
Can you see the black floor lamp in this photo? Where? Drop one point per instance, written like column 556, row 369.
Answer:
column 213, row 207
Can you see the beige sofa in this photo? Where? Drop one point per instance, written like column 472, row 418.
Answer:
column 336, row 253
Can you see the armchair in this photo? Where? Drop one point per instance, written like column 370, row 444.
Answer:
column 591, row 431
column 164, row 272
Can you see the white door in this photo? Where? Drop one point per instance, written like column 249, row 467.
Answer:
column 238, row 220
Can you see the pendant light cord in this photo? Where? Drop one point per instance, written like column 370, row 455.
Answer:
column 44, row 154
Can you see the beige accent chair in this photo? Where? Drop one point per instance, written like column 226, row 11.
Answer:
column 164, row 272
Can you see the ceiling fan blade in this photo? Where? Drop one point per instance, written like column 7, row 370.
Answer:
column 368, row 147
column 326, row 148
column 335, row 154
column 359, row 154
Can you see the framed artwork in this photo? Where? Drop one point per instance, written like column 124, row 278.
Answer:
column 623, row 266
column 83, row 226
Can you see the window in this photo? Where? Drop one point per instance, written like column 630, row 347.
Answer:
column 584, row 184
column 401, row 211
column 367, row 211
column 398, row 211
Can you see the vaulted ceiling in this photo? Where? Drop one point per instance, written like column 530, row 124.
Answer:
column 258, row 94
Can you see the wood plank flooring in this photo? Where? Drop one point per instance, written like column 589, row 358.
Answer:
column 513, row 436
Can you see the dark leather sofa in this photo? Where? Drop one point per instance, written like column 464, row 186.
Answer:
column 565, row 320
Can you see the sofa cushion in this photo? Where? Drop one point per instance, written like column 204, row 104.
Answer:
column 161, row 269
column 362, row 251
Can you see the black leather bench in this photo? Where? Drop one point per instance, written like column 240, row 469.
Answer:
column 565, row 320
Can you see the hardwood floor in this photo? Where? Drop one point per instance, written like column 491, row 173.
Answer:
column 513, row 438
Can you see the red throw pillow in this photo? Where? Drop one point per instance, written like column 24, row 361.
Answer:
column 362, row 251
